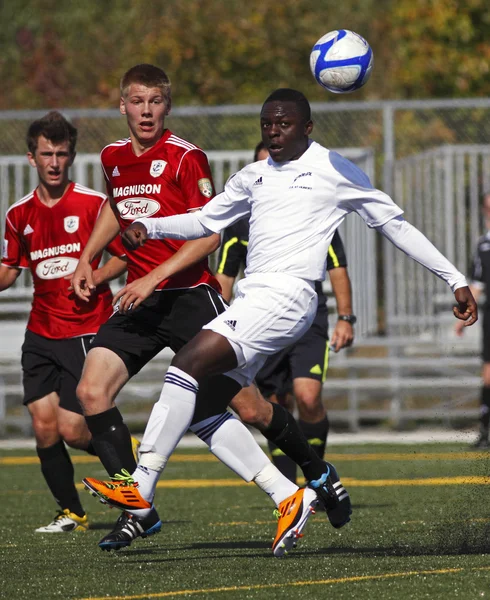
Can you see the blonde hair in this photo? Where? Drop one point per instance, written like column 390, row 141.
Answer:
column 147, row 75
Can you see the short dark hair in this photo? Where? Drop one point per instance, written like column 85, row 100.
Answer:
column 260, row 146
column 55, row 128
column 147, row 75
column 290, row 95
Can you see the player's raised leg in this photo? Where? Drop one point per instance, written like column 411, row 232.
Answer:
column 279, row 426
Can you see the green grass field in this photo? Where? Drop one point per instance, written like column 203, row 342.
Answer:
column 420, row 529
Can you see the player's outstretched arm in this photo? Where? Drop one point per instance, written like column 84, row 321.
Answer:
column 105, row 230
column 413, row 242
column 466, row 310
column 177, row 227
column 460, row 325
column 134, row 236
column 8, row 275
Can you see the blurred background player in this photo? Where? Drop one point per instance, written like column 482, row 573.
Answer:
column 480, row 285
column 299, row 369
column 45, row 232
column 170, row 295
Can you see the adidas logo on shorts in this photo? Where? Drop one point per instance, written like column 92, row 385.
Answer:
column 231, row 324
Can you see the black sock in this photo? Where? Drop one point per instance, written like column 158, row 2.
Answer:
column 286, row 435
column 57, row 468
column 112, row 441
column 485, row 410
column 287, row 466
column 316, row 434
column 90, row 449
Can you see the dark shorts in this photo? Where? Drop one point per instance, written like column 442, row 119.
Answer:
column 53, row 366
column 169, row 320
column 486, row 337
column 307, row 358
column 164, row 320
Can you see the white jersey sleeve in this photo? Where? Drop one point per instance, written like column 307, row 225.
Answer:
column 228, row 207
column 413, row 242
column 355, row 193
column 220, row 212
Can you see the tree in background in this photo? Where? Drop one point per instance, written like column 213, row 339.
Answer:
column 71, row 54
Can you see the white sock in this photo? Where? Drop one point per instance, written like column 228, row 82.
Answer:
column 147, row 480
column 275, row 484
column 169, row 419
column 233, row 444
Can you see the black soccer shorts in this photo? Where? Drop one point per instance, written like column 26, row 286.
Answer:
column 53, row 366
column 166, row 319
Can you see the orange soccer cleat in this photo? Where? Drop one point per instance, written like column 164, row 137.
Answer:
column 294, row 513
column 121, row 492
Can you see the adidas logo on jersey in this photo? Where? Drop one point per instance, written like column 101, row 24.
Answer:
column 258, row 181
column 231, row 324
column 115, row 173
column 28, row 230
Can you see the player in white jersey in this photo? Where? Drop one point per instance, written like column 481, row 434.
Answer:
column 295, row 201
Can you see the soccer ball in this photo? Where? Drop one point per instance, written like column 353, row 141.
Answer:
column 341, row 61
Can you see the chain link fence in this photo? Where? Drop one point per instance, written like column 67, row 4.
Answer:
column 396, row 133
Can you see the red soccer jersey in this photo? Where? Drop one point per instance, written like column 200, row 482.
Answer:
column 49, row 242
column 171, row 178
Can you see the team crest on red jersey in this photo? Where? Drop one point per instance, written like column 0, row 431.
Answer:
column 157, row 167
column 71, row 223
column 205, row 187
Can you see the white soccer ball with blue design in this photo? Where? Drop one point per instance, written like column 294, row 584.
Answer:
column 341, row 61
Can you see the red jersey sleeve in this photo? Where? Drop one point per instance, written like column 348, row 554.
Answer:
column 116, row 247
column 195, row 179
column 13, row 251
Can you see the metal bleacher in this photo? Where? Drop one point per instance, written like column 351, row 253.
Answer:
column 383, row 380
column 418, row 372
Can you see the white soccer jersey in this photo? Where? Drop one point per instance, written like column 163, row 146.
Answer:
column 295, row 208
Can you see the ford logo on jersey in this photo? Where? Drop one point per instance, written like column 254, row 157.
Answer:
column 55, row 268
column 134, row 208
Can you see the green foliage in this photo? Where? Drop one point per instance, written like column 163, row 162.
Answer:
column 72, row 54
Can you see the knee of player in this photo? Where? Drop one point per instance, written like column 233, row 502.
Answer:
column 89, row 394
column 45, row 430
column 248, row 414
column 308, row 402
column 70, row 435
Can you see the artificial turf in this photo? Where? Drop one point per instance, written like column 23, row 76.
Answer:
column 420, row 529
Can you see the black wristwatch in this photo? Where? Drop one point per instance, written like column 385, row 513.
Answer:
column 349, row 318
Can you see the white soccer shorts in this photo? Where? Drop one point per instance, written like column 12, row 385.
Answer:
column 270, row 311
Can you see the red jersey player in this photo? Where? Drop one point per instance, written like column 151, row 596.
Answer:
column 45, row 232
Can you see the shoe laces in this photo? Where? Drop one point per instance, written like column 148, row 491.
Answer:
column 318, row 483
column 123, row 478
